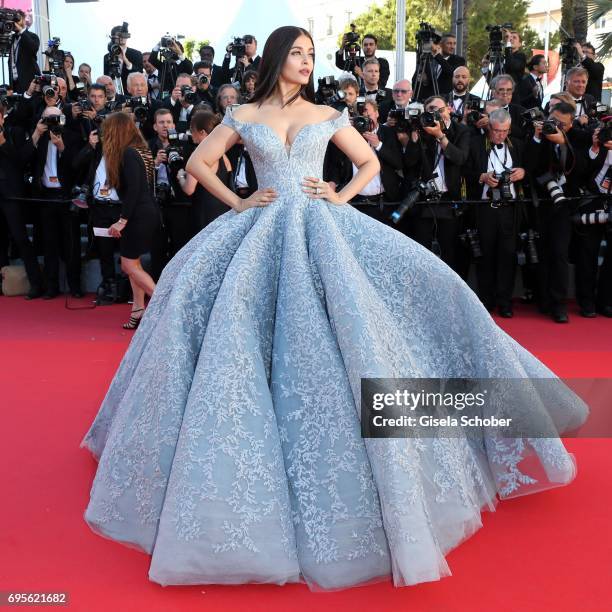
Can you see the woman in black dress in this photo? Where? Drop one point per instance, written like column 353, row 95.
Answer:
column 131, row 172
column 205, row 207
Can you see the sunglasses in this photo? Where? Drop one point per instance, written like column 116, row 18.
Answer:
column 404, row 91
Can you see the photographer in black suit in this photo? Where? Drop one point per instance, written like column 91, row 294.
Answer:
column 596, row 70
column 370, row 83
column 171, row 63
column 207, row 54
column 557, row 161
column 592, row 293
column 129, row 60
column 503, row 88
column 50, row 151
column 448, row 46
column 385, row 186
column 493, row 174
column 12, row 141
column 247, row 61
column 531, row 88
column 22, row 62
column 181, row 102
column 204, row 89
column 515, row 61
column 422, row 82
column 438, row 153
column 369, row 46
column 459, row 97
column 576, row 82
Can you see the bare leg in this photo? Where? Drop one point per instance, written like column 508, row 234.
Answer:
column 133, row 268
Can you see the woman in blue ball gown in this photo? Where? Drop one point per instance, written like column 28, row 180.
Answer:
column 229, row 441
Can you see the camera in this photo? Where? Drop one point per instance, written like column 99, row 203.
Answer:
column 551, row 183
column 362, row 124
column 471, row 237
column 55, row 123
column 176, row 161
column 426, row 36
column 86, row 104
column 351, row 49
column 8, row 19
column 550, row 126
column 503, row 190
column 55, row 55
column 80, row 195
column 237, row 47
column 163, row 193
column 328, row 91
column 139, row 106
column 190, row 96
column 166, row 41
column 598, row 217
column 9, row 102
column 568, row 53
column 605, row 133
column 352, row 38
column 401, row 118
column 430, row 118
column 531, row 115
column 202, row 79
column 424, row 191
column 48, row 91
column 476, row 110
column 45, row 79
column 527, row 251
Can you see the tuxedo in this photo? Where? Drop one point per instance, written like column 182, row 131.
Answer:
column 383, row 76
column 459, row 101
column 531, row 91
column 445, row 81
column 382, row 95
column 22, row 63
column 517, row 129
column 217, row 76
column 497, row 223
column 435, row 225
column 133, row 56
column 594, row 282
column 176, row 109
column 596, row 72
column 554, row 219
column 240, row 160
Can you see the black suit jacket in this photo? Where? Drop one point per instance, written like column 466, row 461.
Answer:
column 384, row 73
column 339, row 168
column 216, row 78
column 594, row 168
column 37, row 156
column 466, row 97
column 237, row 155
column 173, row 69
column 528, row 92
column 226, row 74
column 515, row 64
column 444, row 79
column 134, row 57
column 27, row 66
column 175, row 109
column 541, row 158
column 478, row 161
column 12, row 161
column 596, row 74
column 420, row 157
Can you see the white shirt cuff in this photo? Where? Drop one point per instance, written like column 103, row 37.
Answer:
column 592, row 154
column 378, row 147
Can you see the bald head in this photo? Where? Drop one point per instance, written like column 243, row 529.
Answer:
column 402, row 92
column 461, row 79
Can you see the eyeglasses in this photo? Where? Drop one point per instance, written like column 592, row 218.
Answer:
column 230, row 97
column 404, row 91
column 502, row 90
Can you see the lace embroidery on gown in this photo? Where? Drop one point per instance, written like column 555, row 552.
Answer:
column 229, row 441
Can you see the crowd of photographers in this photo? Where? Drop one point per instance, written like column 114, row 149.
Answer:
column 504, row 183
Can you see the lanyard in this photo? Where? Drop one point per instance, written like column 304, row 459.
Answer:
column 503, row 163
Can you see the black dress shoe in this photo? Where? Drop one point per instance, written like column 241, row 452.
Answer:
column 50, row 294
column 33, row 293
column 77, row 294
column 560, row 316
column 506, row 312
column 588, row 313
column 606, row 311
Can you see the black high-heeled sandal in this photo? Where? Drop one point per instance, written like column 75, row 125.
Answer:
column 134, row 322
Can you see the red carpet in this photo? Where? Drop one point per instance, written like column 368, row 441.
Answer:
column 549, row 551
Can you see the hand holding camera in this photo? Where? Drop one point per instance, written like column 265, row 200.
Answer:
column 57, row 140
column 93, row 139
column 161, row 157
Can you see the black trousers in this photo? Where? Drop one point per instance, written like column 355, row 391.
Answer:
column 61, row 238
column 375, row 211
column 12, row 212
column 496, row 268
column 438, row 222
column 593, row 283
column 553, row 253
column 176, row 230
column 104, row 214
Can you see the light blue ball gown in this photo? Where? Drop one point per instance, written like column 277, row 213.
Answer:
column 229, row 441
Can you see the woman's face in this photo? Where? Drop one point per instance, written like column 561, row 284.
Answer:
column 250, row 86
column 68, row 64
column 198, row 136
column 300, row 62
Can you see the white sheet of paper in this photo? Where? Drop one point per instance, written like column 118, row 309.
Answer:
column 101, row 231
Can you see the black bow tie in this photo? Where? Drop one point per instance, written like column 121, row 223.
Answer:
column 579, row 101
column 499, row 146
column 372, row 92
column 459, row 97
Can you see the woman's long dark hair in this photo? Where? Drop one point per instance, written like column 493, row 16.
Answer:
column 274, row 55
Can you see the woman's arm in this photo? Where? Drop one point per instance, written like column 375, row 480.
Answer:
column 350, row 141
column 202, row 161
column 188, row 182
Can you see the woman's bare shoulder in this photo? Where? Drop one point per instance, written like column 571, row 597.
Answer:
column 245, row 112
